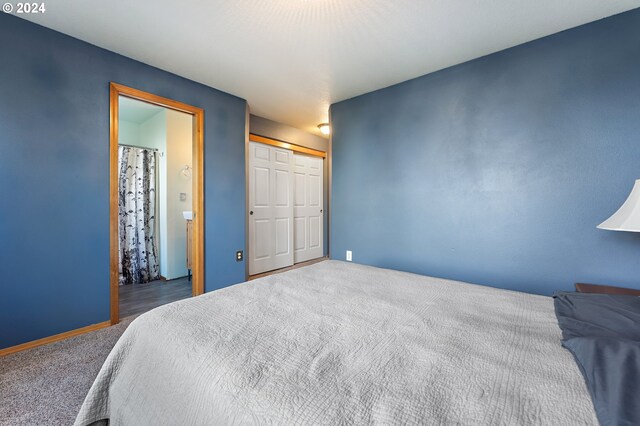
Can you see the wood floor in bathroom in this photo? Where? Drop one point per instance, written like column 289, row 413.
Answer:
column 138, row 298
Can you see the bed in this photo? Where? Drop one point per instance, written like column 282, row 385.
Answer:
column 342, row 343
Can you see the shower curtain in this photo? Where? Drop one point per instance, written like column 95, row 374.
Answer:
column 137, row 216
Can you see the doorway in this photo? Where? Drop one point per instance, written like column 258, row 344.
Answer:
column 156, row 201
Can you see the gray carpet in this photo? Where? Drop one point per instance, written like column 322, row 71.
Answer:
column 47, row 385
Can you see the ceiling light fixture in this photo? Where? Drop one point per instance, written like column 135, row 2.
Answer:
column 325, row 129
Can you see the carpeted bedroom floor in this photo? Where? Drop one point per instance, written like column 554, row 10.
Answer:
column 47, row 385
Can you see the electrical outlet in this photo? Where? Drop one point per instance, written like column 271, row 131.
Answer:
column 348, row 255
column 239, row 256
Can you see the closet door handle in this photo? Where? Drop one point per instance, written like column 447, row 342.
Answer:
column 251, row 212
column 320, row 210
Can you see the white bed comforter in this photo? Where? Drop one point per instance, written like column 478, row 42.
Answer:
column 341, row 343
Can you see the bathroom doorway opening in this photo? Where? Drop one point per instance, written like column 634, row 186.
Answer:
column 156, row 207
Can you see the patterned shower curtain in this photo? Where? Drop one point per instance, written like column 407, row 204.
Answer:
column 137, row 215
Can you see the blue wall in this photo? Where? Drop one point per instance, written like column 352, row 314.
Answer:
column 54, row 177
column 497, row 171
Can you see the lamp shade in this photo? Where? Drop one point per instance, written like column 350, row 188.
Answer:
column 627, row 218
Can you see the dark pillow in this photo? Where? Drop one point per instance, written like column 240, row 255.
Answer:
column 598, row 315
column 611, row 369
column 603, row 334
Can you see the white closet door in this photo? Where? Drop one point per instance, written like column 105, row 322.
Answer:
column 270, row 208
column 307, row 207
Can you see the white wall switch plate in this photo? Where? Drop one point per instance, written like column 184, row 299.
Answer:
column 348, row 255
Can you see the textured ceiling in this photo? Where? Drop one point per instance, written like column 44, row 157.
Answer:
column 291, row 59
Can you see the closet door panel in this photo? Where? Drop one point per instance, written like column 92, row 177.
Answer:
column 300, row 233
column 270, row 208
column 308, row 207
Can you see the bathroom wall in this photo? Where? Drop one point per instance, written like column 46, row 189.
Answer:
column 178, row 155
column 128, row 132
